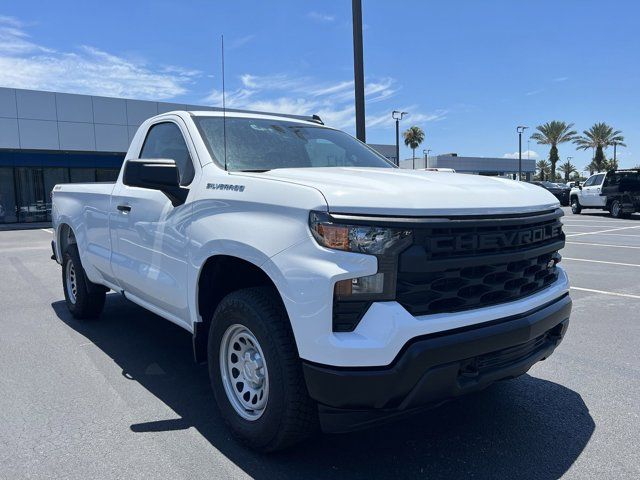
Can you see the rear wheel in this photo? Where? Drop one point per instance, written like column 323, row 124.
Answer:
column 576, row 208
column 84, row 299
column 256, row 373
column 616, row 209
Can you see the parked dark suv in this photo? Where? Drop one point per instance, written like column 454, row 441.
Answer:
column 560, row 191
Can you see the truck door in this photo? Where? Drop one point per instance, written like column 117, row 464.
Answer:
column 149, row 235
column 590, row 195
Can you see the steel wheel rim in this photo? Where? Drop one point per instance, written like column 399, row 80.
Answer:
column 72, row 282
column 616, row 209
column 244, row 372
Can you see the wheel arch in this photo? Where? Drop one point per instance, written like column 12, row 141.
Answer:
column 219, row 276
column 65, row 236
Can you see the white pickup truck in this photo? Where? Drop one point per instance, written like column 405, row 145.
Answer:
column 325, row 287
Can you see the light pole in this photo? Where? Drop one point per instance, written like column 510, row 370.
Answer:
column 520, row 129
column 426, row 157
column 397, row 116
column 358, row 68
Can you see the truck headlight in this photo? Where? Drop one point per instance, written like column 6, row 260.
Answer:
column 372, row 240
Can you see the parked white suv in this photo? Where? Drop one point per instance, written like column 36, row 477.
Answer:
column 324, row 286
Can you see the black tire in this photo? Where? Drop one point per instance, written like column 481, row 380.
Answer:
column 88, row 299
column 289, row 415
column 616, row 209
column 576, row 208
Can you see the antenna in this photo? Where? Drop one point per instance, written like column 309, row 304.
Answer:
column 224, row 108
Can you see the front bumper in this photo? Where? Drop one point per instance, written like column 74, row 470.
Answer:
column 435, row 368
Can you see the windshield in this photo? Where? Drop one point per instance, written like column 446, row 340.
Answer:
column 262, row 144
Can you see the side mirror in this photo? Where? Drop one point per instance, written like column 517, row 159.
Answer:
column 156, row 174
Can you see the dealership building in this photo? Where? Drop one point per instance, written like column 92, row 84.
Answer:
column 492, row 166
column 48, row 138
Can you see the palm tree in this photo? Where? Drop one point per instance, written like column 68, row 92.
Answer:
column 567, row 168
column 413, row 137
column 599, row 137
column 543, row 168
column 553, row 133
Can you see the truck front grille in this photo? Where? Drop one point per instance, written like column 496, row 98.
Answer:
column 461, row 264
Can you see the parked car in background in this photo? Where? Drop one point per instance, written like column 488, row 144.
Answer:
column 572, row 183
column 560, row 191
column 617, row 192
column 436, row 169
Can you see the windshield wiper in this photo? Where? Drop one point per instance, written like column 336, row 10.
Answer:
column 255, row 170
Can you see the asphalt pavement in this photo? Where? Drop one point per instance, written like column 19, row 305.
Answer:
column 121, row 397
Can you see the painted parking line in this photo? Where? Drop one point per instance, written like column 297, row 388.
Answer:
column 577, row 225
column 604, row 292
column 621, row 234
column 602, row 231
column 602, row 245
column 48, row 230
column 600, row 261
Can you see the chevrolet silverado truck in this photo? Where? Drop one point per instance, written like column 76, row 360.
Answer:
column 616, row 191
column 324, row 287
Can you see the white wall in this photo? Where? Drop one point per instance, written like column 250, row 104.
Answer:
column 31, row 119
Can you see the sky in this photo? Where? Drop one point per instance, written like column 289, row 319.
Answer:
column 467, row 71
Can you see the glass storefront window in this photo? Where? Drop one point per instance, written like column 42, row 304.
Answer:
column 31, row 200
column 82, row 175
column 7, row 196
column 25, row 192
column 107, row 174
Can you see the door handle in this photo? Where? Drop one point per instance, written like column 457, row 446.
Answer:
column 124, row 208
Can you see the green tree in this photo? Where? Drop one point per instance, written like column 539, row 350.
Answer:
column 543, row 167
column 599, row 137
column 553, row 133
column 567, row 168
column 413, row 137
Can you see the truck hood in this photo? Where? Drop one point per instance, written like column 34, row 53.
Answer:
column 382, row 191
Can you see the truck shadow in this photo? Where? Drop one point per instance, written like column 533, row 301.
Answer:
column 524, row 428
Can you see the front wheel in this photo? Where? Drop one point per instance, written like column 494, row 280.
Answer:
column 576, row 208
column 84, row 299
column 256, row 373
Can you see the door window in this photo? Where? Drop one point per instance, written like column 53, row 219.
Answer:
column 590, row 181
column 598, row 179
column 165, row 140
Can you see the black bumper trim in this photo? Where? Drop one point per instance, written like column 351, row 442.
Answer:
column 435, row 368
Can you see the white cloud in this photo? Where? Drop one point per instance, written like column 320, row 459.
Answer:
column 89, row 70
column 534, row 92
column 561, row 79
column 321, row 17
column 334, row 102
column 241, row 41
column 525, row 154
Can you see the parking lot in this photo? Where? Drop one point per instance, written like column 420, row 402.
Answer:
column 121, row 397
